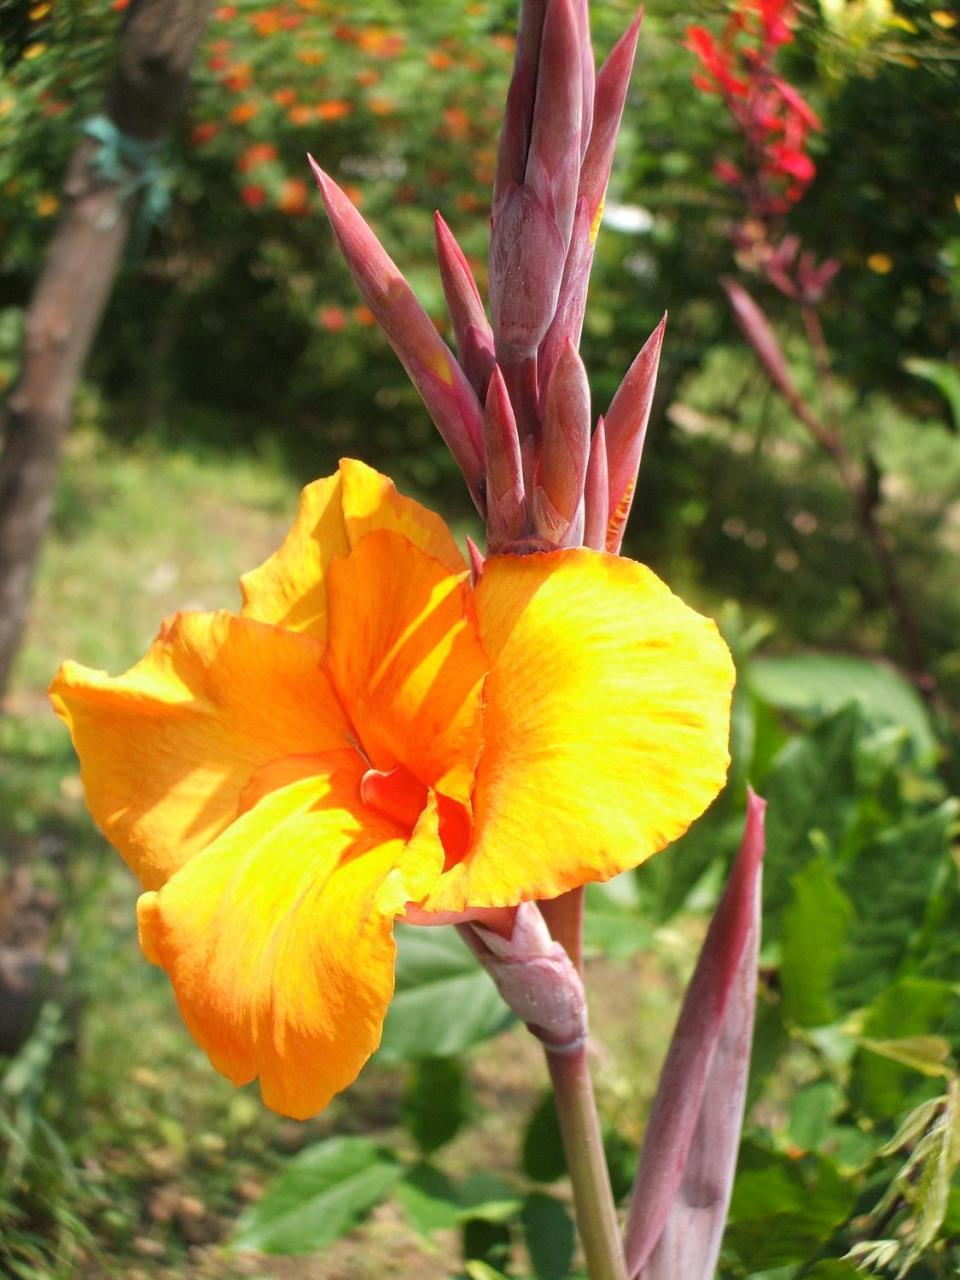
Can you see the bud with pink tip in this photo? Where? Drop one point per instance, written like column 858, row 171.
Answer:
column 473, row 333
column 450, row 400
column 596, row 493
column 626, row 427
column 687, row 1163
column 506, row 514
column 564, row 451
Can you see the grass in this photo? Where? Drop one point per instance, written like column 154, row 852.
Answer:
column 122, row 1154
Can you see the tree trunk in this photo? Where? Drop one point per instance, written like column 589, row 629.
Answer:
column 149, row 87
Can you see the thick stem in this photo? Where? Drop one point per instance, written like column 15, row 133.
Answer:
column 592, row 1195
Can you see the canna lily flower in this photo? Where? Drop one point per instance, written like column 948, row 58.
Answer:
column 376, row 736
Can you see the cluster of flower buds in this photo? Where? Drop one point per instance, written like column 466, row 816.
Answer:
column 773, row 118
column 513, row 404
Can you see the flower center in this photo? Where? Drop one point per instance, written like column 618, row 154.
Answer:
column 396, row 793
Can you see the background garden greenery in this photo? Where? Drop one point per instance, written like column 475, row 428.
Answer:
column 235, row 363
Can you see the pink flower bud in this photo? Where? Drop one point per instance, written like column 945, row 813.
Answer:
column 526, row 266
column 450, row 400
column 474, row 336
column 687, row 1163
column 596, row 493
column 756, row 329
column 535, row 976
column 611, row 94
column 518, row 116
column 567, row 321
column 564, row 450
column 505, row 496
column 553, row 160
column 626, row 427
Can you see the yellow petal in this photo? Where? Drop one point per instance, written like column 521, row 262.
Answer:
column 404, row 655
column 605, row 731
column 167, row 749
column 278, row 938
column 333, row 515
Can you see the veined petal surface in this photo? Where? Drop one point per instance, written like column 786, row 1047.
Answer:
column 404, row 654
column 289, row 588
column 278, row 937
column 606, row 716
column 167, row 749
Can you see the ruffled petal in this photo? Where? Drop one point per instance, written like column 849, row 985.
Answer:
column 333, row 515
column 606, row 720
column 278, row 938
column 405, row 657
column 167, row 749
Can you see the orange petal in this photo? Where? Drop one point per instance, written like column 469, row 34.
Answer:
column 278, row 938
column 167, row 749
column 606, row 719
column 333, row 515
column 404, row 655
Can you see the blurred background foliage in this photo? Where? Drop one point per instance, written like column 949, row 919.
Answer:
column 236, row 361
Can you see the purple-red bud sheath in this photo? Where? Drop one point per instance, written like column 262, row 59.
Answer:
column 687, row 1163
column 450, row 400
column 474, row 336
column 613, row 81
column 504, row 494
column 526, row 266
column 756, row 329
column 626, row 426
column 518, row 116
column 553, row 160
column 596, row 489
column 567, row 321
column 564, row 450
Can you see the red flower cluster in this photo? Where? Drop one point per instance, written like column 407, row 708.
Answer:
column 774, row 120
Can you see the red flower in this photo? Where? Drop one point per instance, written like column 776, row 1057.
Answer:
column 253, row 196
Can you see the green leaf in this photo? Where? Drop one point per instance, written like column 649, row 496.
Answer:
column 489, row 1198
column 782, row 1209
column 810, row 1114
column 478, row 1270
column 437, row 1102
column 549, row 1236
column 927, row 1054
column 820, row 684
column 429, row 1199
column 834, row 1269
column 443, row 1003
column 321, row 1195
column 811, row 787
column 894, row 882
column 543, row 1158
column 815, row 927
column 911, row 1007
column 943, row 376
column 613, row 922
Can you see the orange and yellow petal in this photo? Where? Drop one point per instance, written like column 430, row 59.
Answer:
column 404, row 654
column 278, row 938
column 334, row 514
column 606, row 721
column 167, row 749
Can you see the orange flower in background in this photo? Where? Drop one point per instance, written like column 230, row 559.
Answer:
column 253, row 196
column 258, row 153
column 370, row 734
column 333, row 109
column 244, row 112
column 293, row 199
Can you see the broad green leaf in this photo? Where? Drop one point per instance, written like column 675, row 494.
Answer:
column 437, row 1102
column 911, row 1007
column 488, row 1197
column 613, row 921
column 477, row 1270
column 487, row 1242
column 894, row 884
column 549, row 1235
column 834, row 1269
column 444, row 1002
column 815, row 927
column 811, row 787
column 320, row 1195
column 945, row 377
column 429, row 1199
column 810, row 1114
column 783, row 1210
column 927, row 1054
column 820, row 684
column 543, row 1158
